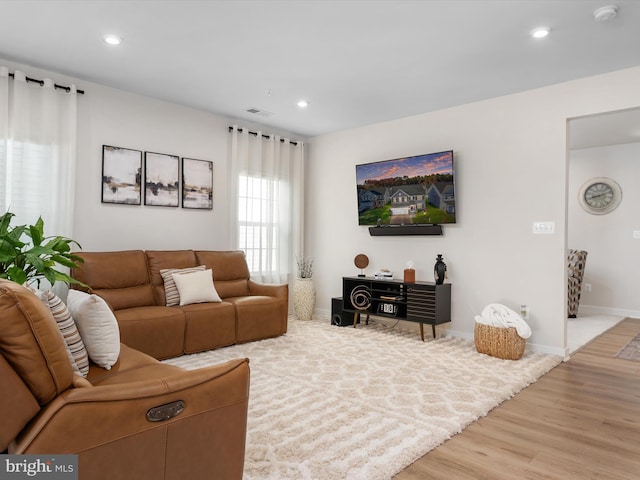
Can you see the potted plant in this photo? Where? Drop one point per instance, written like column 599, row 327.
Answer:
column 305, row 267
column 26, row 255
column 304, row 293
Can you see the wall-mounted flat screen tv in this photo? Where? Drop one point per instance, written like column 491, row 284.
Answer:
column 407, row 191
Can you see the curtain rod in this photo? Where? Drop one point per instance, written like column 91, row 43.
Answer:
column 295, row 144
column 55, row 85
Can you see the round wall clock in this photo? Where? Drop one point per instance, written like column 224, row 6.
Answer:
column 600, row 195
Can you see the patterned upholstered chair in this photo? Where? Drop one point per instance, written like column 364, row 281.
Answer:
column 576, row 260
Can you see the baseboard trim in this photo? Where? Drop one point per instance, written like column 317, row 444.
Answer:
column 443, row 329
column 618, row 312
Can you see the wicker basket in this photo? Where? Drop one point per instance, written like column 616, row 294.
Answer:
column 499, row 342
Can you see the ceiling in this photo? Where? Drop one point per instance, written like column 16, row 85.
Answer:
column 356, row 62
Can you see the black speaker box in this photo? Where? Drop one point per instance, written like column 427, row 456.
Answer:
column 339, row 317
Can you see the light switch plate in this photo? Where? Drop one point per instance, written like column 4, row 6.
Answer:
column 545, row 228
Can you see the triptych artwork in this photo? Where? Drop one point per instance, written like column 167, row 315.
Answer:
column 163, row 182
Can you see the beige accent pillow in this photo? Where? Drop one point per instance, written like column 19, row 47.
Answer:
column 69, row 330
column 171, row 294
column 196, row 287
column 98, row 327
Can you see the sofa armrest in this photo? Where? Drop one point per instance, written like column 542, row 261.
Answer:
column 269, row 290
column 90, row 417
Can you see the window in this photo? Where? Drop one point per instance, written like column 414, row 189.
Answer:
column 37, row 151
column 258, row 223
column 29, row 178
column 266, row 188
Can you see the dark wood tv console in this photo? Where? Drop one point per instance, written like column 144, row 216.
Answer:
column 421, row 302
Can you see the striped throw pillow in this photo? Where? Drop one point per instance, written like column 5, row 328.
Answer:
column 67, row 326
column 171, row 293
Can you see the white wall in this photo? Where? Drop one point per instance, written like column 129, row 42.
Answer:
column 111, row 117
column 108, row 116
column 511, row 170
column 511, row 167
column 613, row 255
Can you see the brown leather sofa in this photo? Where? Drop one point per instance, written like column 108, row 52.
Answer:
column 105, row 418
column 131, row 283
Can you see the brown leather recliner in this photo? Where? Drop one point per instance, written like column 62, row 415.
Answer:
column 106, row 418
column 131, row 283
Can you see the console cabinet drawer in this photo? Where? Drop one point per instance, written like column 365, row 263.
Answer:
column 429, row 303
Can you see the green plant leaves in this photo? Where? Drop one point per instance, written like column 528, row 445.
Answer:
column 16, row 274
column 36, row 232
column 22, row 261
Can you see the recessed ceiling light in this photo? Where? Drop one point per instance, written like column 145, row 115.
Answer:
column 540, row 32
column 112, row 39
column 303, row 104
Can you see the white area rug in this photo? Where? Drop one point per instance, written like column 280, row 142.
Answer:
column 332, row 403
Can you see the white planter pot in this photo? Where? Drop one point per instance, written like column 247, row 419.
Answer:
column 304, row 298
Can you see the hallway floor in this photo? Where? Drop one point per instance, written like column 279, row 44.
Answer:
column 586, row 327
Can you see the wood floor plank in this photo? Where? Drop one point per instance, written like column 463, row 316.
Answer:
column 580, row 421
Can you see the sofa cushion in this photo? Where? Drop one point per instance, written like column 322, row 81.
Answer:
column 68, row 329
column 121, row 278
column 32, row 344
column 119, row 298
column 156, row 330
column 258, row 317
column 164, row 259
column 196, row 287
column 132, row 365
column 171, row 293
column 208, row 326
column 98, row 327
column 230, row 271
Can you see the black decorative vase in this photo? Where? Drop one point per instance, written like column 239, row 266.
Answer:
column 439, row 270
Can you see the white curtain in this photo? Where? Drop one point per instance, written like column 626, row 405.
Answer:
column 37, row 152
column 266, row 193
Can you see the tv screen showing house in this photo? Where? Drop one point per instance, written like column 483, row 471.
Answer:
column 406, row 191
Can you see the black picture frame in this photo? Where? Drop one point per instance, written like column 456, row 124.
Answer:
column 161, row 180
column 121, row 175
column 197, row 184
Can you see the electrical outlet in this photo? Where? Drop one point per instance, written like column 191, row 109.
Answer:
column 636, row 234
column 587, row 287
column 524, row 312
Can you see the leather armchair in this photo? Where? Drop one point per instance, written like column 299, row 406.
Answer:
column 140, row 420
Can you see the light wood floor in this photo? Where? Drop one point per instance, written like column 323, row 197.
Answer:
column 580, row 421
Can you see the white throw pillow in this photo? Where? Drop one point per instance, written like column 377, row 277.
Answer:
column 97, row 325
column 171, row 294
column 196, row 287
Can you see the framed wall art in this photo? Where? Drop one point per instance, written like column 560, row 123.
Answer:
column 121, row 175
column 197, row 184
column 161, row 179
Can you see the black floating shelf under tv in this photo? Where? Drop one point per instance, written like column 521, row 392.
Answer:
column 388, row 230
